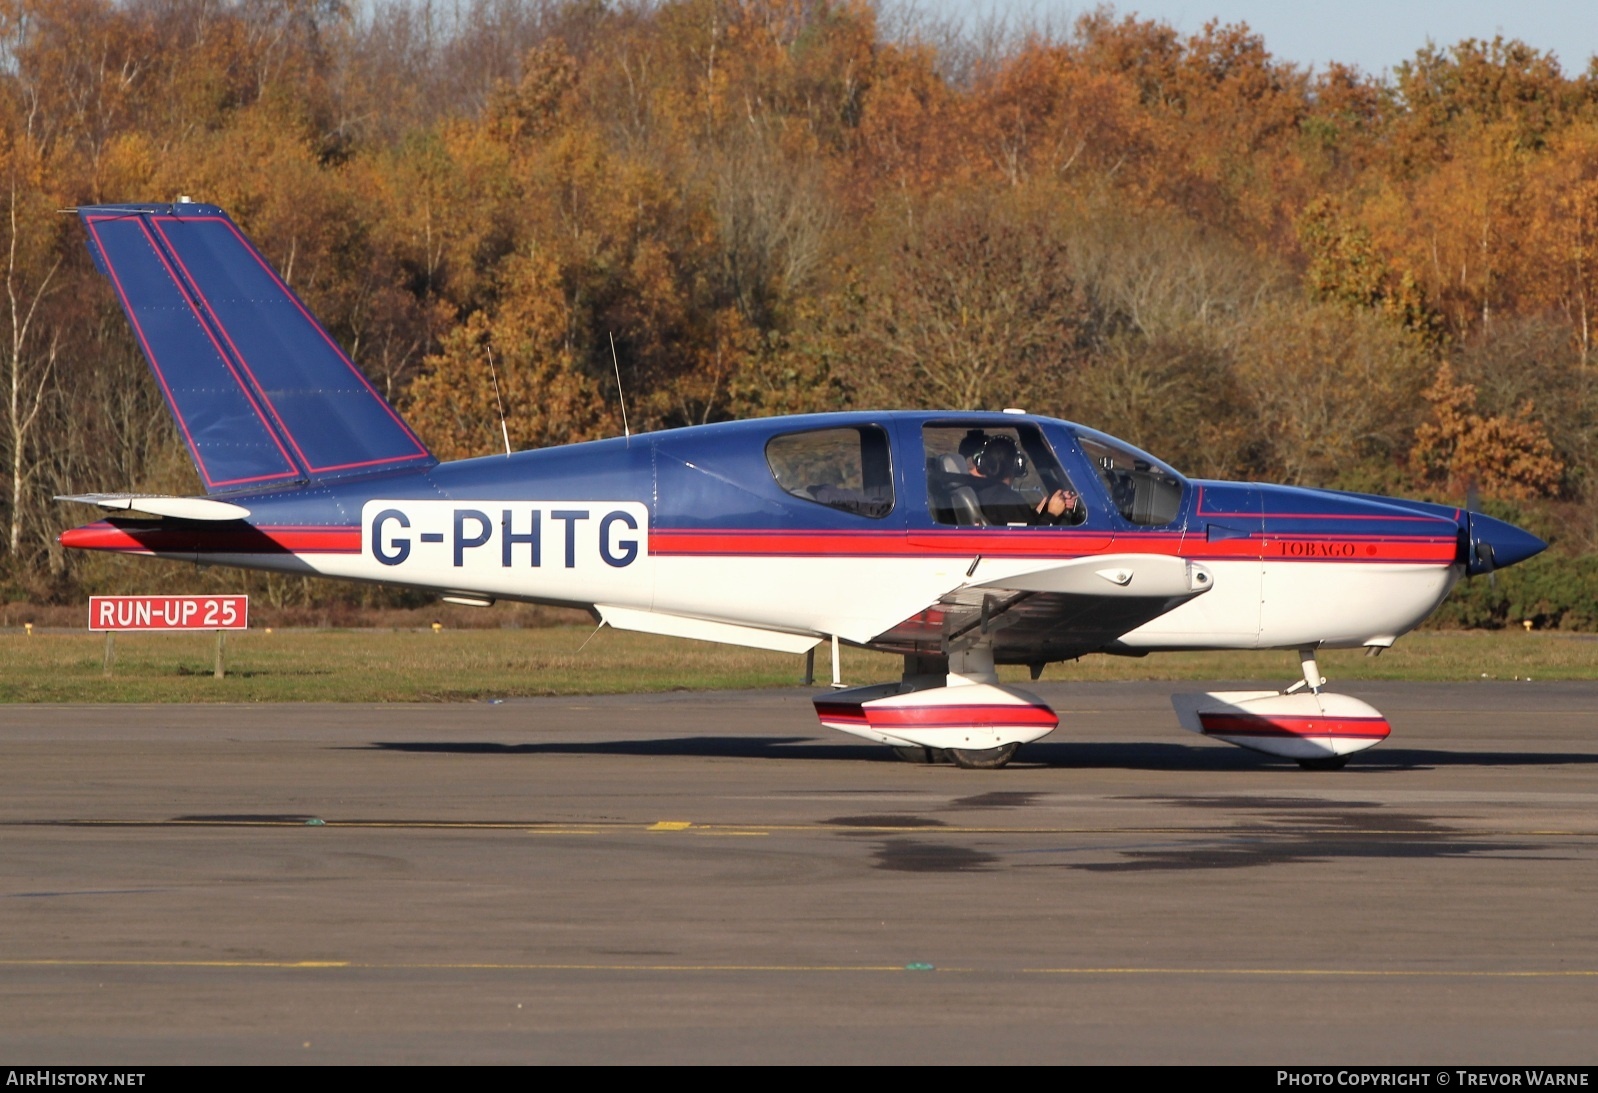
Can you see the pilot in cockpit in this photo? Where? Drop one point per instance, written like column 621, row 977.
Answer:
column 995, row 464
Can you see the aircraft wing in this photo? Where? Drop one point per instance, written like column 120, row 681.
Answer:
column 1056, row 612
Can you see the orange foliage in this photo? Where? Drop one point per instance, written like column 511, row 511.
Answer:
column 776, row 205
column 1508, row 457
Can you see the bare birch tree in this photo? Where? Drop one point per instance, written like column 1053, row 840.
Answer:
column 31, row 360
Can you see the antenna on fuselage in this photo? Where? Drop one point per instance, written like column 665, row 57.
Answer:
column 621, row 395
column 504, row 431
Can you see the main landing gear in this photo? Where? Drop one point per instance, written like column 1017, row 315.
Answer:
column 955, row 711
column 1318, row 729
column 985, row 759
column 950, row 710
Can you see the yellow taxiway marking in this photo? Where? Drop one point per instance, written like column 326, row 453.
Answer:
column 378, row 965
column 705, row 829
column 449, row 966
column 177, row 964
column 622, row 827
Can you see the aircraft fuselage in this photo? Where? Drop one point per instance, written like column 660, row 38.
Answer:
column 693, row 522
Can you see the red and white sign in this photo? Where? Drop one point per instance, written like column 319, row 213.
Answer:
column 169, row 612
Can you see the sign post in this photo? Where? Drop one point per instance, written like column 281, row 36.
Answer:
column 168, row 613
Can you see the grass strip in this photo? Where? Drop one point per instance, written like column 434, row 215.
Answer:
column 468, row 665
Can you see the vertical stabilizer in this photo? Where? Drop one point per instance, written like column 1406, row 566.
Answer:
column 261, row 393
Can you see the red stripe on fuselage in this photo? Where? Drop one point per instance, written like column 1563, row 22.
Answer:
column 866, row 544
column 671, row 542
column 1044, row 543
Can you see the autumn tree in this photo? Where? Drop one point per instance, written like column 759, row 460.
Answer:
column 517, row 361
column 1561, row 260
column 1507, row 456
column 33, row 340
column 975, row 306
column 1346, row 268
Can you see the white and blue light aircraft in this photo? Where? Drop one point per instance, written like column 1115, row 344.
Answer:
column 962, row 541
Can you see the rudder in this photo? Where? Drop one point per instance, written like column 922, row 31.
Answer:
column 260, row 391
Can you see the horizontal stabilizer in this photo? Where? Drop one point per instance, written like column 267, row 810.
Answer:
column 260, row 391
column 181, row 508
column 682, row 626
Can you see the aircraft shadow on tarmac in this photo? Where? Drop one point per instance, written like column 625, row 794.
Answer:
column 1092, row 755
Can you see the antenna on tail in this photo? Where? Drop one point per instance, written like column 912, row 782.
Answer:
column 498, row 402
column 621, row 395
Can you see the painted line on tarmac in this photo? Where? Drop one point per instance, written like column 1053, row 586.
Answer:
column 686, row 828
column 364, row 965
column 915, row 966
column 1345, row 973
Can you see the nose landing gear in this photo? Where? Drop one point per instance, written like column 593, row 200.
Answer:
column 1316, row 728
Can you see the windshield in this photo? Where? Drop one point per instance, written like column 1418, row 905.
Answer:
column 1145, row 491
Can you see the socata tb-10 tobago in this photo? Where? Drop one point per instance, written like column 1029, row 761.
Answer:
column 960, row 540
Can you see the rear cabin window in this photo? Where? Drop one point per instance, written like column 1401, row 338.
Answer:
column 844, row 469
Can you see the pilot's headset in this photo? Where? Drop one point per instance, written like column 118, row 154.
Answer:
column 999, row 458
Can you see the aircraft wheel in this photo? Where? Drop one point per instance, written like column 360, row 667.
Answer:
column 986, row 759
column 1330, row 762
column 913, row 753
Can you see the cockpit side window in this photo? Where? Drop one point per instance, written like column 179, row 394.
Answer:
column 845, row 469
column 996, row 476
column 1145, row 491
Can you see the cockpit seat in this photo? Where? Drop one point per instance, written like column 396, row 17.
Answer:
column 953, row 499
column 967, row 510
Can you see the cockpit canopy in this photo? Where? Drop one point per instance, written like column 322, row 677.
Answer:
column 981, row 470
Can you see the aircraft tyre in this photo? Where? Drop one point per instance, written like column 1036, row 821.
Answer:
column 915, row 753
column 985, row 759
column 1330, row 762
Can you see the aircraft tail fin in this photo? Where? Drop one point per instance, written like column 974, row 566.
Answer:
column 261, row 393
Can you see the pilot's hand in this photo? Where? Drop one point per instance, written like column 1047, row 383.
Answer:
column 1059, row 503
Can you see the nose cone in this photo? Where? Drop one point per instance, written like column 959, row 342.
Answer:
column 1495, row 544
